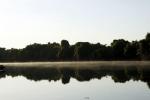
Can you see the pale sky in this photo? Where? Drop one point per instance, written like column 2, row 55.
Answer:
column 24, row 22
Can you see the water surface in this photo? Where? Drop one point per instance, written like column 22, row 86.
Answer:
column 75, row 81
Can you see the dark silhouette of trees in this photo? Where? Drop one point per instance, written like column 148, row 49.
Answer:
column 3, row 54
column 83, row 51
column 103, row 53
column 148, row 37
column 40, row 52
column 65, row 50
column 130, row 51
column 144, row 48
column 118, row 50
column 13, row 54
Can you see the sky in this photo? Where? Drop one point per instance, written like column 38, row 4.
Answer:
column 24, row 22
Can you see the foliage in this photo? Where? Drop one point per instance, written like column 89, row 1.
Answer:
column 118, row 50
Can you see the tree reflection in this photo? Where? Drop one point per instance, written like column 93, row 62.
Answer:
column 119, row 74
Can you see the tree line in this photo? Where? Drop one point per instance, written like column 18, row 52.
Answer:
column 119, row 49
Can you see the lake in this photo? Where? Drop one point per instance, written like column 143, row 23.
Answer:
column 99, row 80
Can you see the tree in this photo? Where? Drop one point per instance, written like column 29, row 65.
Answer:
column 13, row 54
column 118, row 48
column 103, row 53
column 64, row 52
column 130, row 51
column 3, row 54
column 144, row 48
column 65, row 44
column 83, row 51
column 37, row 52
column 147, row 37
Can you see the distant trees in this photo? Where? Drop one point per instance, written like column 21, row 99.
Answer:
column 3, row 54
column 65, row 50
column 144, row 48
column 83, row 51
column 13, row 54
column 131, row 49
column 118, row 50
column 39, row 52
column 102, row 52
column 118, row 47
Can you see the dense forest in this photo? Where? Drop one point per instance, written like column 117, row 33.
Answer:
column 118, row 50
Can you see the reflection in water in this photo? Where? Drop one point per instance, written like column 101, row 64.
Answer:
column 118, row 74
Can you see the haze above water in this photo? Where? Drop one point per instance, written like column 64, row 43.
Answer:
column 112, row 80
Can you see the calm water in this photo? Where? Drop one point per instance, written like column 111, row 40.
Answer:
column 75, row 81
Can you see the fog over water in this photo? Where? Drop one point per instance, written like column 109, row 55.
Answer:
column 78, row 63
column 106, row 80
